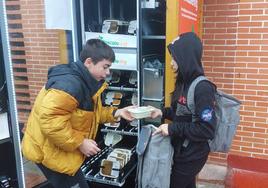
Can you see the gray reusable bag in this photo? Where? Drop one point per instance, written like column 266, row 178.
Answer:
column 155, row 154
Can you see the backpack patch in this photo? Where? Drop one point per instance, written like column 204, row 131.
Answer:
column 227, row 114
column 207, row 114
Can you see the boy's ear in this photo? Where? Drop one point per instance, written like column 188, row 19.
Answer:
column 88, row 63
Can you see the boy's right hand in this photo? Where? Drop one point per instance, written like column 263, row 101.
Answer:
column 124, row 113
column 89, row 147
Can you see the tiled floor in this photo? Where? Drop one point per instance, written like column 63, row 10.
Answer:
column 209, row 185
column 33, row 176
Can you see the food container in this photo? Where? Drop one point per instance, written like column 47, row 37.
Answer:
column 115, row 95
column 133, row 78
column 115, row 26
column 121, row 160
column 110, row 168
column 118, row 95
column 113, row 125
column 132, row 28
column 116, row 102
column 141, row 112
column 113, row 98
column 127, row 152
column 108, row 101
column 134, row 99
column 112, row 138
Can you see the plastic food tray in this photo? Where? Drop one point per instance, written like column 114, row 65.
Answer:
column 141, row 112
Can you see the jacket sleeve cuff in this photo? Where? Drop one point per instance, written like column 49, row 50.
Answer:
column 170, row 129
column 114, row 111
column 164, row 112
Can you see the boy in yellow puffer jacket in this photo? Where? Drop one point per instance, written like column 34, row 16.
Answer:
column 66, row 114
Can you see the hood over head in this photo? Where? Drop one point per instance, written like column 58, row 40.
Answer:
column 187, row 51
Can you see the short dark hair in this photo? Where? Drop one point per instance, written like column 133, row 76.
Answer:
column 97, row 50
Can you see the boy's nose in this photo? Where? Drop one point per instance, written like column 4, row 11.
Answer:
column 107, row 72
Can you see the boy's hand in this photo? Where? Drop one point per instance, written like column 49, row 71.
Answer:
column 89, row 147
column 124, row 113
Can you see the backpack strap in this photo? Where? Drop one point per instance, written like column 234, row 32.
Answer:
column 190, row 101
column 191, row 92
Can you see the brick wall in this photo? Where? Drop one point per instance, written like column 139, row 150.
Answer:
column 235, row 36
column 41, row 45
column 18, row 58
column 33, row 50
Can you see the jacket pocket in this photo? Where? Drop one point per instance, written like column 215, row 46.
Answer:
column 61, row 161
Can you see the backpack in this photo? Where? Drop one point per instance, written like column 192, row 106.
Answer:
column 227, row 114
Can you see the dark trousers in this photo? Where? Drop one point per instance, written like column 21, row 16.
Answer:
column 183, row 174
column 59, row 180
column 182, row 181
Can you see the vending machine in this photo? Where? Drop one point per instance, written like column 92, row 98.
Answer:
column 135, row 29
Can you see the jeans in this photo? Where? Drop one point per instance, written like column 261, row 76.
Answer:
column 60, row 180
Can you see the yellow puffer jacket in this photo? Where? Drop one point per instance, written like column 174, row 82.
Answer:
column 56, row 128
